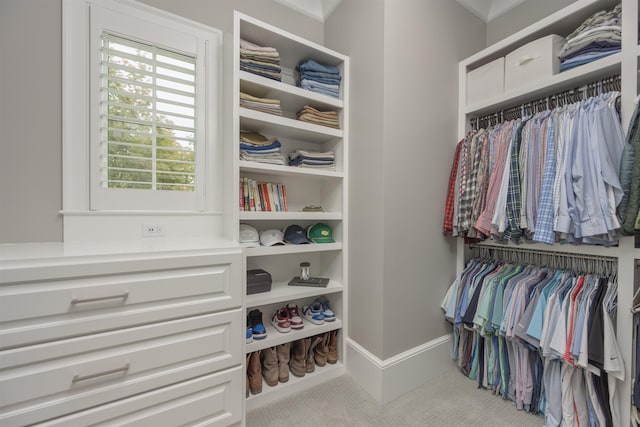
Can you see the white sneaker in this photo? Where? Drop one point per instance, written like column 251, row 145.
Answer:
column 313, row 313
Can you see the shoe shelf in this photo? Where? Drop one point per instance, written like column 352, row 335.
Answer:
column 290, row 96
column 276, row 338
column 293, row 249
column 277, row 170
column 294, row 385
column 285, row 127
column 281, row 291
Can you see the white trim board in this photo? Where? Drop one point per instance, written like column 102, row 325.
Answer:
column 388, row 379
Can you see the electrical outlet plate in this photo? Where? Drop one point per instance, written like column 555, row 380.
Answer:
column 152, row 230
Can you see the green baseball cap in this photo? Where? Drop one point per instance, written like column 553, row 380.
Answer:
column 320, row 233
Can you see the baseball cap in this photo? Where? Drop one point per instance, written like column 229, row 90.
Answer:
column 271, row 237
column 320, row 233
column 295, row 234
column 249, row 236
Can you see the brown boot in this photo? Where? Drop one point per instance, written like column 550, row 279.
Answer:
column 270, row 366
column 254, row 372
column 313, row 342
column 284, row 353
column 247, row 371
column 321, row 350
column 299, row 357
column 332, row 355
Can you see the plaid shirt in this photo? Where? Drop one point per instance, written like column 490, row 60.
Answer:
column 470, row 190
column 544, row 224
column 449, row 207
column 513, row 231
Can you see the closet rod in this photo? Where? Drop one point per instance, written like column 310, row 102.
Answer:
column 576, row 94
column 547, row 253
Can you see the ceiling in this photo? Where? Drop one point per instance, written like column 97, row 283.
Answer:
column 317, row 9
column 484, row 9
column 488, row 10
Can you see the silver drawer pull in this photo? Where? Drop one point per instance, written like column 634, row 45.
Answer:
column 123, row 296
column 78, row 378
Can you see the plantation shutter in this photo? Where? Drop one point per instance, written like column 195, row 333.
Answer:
column 148, row 116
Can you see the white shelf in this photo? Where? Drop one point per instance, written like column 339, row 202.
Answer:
column 569, row 79
column 276, row 338
column 287, row 94
column 291, row 47
column 281, row 292
column 284, row 127
column 293, row 249
column 294, row 385
column 290, row 216
column 278, row 170
column 562, row 22
column 328, row 188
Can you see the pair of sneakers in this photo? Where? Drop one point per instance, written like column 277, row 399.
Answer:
column 318, row 312
column 287, row 318
column 255, row 327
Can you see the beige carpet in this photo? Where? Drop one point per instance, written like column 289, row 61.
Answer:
column 448, row 401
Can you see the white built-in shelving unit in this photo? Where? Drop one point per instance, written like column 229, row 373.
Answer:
column 303, row 186
column 625, row 64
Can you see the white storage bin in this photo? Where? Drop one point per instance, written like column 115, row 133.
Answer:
column 532, row 62
column 485, row 82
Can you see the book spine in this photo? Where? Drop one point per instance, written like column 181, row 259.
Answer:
column 265, row 193
column 284, row 198
column 256, row 196
column 241, row 195
column 263, row 202
column 280, row 196
column 273, row 197
column 246, row 193
column 252, row 203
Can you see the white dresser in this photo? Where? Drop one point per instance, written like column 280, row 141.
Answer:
column 89, row 336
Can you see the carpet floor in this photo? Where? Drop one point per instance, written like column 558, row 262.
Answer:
column 449, row 400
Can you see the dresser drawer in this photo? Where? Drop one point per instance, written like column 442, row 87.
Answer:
column 32, row 312
column 57, row 378
column 212, row 400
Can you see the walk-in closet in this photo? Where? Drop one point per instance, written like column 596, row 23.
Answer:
column 320, row 212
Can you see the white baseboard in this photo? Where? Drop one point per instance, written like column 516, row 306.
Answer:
column 388, row 379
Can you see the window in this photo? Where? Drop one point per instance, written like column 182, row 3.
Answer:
column 141, row 107
column 148, row 120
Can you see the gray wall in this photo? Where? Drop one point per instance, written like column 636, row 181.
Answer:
column 522, row 16
column 407, row 55
column 31, row 100
column 30, row 120
column 356, row 28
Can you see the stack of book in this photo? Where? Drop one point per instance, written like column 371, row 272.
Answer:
column 262, row 196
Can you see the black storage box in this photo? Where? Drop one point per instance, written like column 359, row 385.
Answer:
column 258, row 281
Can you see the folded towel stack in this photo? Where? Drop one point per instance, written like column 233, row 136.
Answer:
column 323, row 118
column 312, row 159
column 261, row 60
column 266, row 105
column 255, row 147
column 319, row 78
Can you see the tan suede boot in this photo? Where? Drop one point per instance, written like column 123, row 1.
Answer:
column 284, row 353
column 299, row 357
column 310, row 366
column 332, row 355
column 321, row 350
column 270, row 366
column 254, row 372
column 247, row 371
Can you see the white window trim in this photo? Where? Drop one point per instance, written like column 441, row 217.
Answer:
column 77, row 102
column 82, row 223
